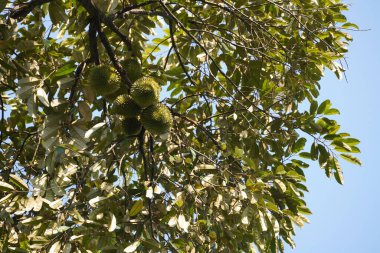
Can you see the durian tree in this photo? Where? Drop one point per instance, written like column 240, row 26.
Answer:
column 165, row 126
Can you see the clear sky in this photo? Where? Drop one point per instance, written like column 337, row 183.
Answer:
column 346, row 218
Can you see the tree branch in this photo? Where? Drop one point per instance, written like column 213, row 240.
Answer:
column 93, row 41
column 109, row 23
column 115, row 61
column 22, row 10
column 2, row 118
column 120, row 13
column 178, row 54
column 94, row 13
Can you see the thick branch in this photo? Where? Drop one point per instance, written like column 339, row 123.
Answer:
column 94, row 13
column 93, row 41
column 120, row 13
column 142, row 153
column 22, row 10
column 115, row 61
column 2, row 118
column 109, row 23
column 77, row 75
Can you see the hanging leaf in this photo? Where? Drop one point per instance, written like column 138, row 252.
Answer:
column 131, row 248
column 112, row 223
column 42, row 96
column 92, row 130
column 95, row 200
column 6, row 187
column 182, row 223
column 55, row 248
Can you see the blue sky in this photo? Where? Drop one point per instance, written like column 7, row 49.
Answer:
column 345, row 218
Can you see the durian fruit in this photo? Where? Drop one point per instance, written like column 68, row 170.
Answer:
column 102, row 80
column 124, row 105
column 132, row 126
column 133, row 68
column 122, row 90
column 157, row 119
column 145, row 91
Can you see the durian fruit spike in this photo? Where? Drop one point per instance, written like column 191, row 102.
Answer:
column 145, row 91
column 157, row 119
column 111, row 97
column 102, row 80
column 132, row 126
column 124, row 105
column 133, row 69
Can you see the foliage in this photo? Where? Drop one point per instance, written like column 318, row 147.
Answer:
column 236, row 75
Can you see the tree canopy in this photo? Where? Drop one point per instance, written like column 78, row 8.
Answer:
column 235, row 84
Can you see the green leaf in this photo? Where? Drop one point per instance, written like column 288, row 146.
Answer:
column 280, row 170
column 223, row 177
column 32, row 220
column 41, row 94
column 7, row 197
column 280, row 185
column 112, row 223
column 136, row 208
column 17, row 250
column 313, row 107
column 3, row 3
column 28, row 81
column 300, row 164
column 338, row 174
column 96, row 200
column 238, row 152
column 55, row 248
column 332, row 111
column 342, row 145
column 351, row 141
column 350, row 25
column 66, row 69
column 131, row 248
column 151, row 244
column 6, row 187
column 66, row 82
column 93, row 129
column 351, row 159
column 18, row 182
column 324, row 106
column 57, row 12
column 299, row 145
column 314, row 151
column 305, row 155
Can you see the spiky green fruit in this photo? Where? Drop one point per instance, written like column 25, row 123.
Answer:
column 124, row 105
column 133, row 69
column 102, row 80
column 132, row 126
column 145, row 91
column 111, row 97
column 157, row 119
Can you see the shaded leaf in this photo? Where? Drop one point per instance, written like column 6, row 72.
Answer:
column 136, row 208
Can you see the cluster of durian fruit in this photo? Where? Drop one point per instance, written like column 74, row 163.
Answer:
column 137, row 109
